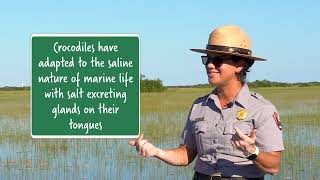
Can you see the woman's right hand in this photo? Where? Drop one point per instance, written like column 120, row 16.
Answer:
column 143, row 147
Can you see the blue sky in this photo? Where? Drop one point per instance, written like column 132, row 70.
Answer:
column 284, row 32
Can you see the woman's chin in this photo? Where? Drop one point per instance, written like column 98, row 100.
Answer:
column 213, row 81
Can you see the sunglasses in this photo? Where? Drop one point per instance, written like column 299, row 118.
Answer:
column 215, row 60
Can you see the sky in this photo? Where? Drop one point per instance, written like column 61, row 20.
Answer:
column 284, row 32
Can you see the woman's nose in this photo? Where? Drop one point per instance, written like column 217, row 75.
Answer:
column 210, row 65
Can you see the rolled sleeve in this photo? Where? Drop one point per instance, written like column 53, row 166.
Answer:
column 269, row 134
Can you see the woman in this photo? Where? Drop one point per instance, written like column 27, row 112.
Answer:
column 234, row 132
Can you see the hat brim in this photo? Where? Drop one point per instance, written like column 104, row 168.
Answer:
column 210, row 51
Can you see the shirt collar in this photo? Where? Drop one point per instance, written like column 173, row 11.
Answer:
column 242, row 97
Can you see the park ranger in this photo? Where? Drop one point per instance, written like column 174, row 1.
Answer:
column 235, row 133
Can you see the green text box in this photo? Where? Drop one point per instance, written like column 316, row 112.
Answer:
column 85, row 85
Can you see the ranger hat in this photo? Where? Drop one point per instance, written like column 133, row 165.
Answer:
column 229, row 40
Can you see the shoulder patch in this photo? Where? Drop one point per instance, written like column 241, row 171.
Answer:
column 276, row 118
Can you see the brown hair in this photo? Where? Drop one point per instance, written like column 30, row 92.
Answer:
column 242, row 75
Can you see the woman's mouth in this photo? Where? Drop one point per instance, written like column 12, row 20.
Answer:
column 211, row 73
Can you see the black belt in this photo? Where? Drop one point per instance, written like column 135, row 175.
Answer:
column 200, row 176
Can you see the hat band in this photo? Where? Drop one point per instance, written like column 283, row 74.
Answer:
column 229, row 49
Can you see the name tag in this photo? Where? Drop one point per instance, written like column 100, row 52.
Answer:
column 199, row 119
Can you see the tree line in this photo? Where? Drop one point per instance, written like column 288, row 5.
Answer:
column 259, row 83
column 151, row 85
column 14, row 88
column 156, row 85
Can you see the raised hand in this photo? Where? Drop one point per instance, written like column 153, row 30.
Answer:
column 243, row 142
column 143, row 147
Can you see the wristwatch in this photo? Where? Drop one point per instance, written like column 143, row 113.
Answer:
column 254, row 154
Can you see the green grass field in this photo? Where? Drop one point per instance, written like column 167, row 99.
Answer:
column 14, row 104
column 163, row 116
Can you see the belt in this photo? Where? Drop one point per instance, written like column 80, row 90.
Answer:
column 217, row 176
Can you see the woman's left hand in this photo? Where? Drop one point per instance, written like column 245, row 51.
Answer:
column 243, row 142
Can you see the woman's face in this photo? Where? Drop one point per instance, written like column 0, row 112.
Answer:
column 222, row 70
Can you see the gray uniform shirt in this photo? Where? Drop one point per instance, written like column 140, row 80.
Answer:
column 210, row 128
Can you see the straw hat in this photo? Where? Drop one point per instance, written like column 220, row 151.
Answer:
column 229, row 40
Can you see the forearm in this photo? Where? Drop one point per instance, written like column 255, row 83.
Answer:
column 176, row 157
column 181, row 156
column 268, row 162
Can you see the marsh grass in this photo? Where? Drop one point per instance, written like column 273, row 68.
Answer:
column 163, row 117
column 15, row 104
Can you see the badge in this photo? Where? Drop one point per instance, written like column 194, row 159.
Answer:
column 277, row 120
column 241, row 114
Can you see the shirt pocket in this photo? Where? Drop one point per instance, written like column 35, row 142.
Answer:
column 201, row 133
column 246, row 126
